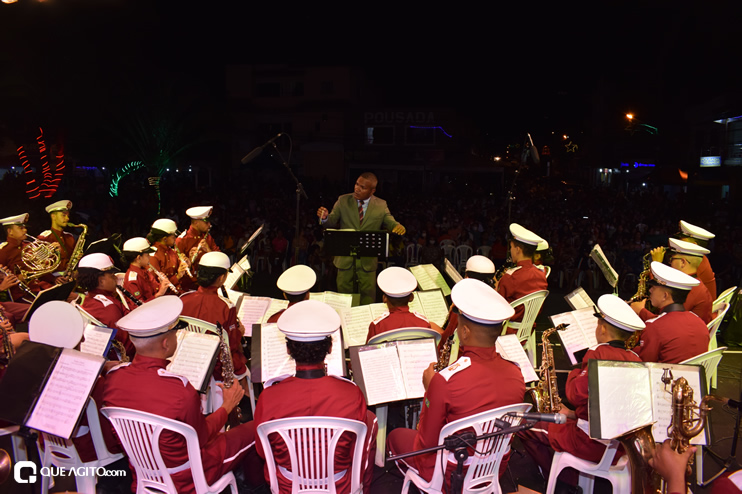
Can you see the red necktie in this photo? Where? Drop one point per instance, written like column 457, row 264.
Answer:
column 360, row 211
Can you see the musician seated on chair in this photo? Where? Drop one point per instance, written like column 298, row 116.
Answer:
column 524, row 278
column 59, row 212
column 196, row 241
column 478, row 381
column 675, row 334
column 480, row 268
column 701, row 237
column 209, row 305
column 616, row 322
column 165, row 260
column 295, row 284
column 146, row 385
column 96, row 275
column 142, row 283
column 397, row 284
column 311, row 392
column 11, row 257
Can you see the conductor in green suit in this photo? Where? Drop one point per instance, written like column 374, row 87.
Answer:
column 361, row 211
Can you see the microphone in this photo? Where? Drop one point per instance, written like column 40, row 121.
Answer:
column 557, row 418
column 255, row 152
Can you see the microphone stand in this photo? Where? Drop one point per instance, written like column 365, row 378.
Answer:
column 458, row 444
column 299, row 192
column 730, row 461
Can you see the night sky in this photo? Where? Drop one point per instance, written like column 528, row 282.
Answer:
column 82, row 65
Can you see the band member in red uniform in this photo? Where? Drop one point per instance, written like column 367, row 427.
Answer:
column 295, row 284
column 196, row 241
column 139, row 281
column 308, row 326
column 697, row 235
column 480, row 268
column 397, row 285
column 165, row 260
column 59, row 213
column 456, row 392
column 616, row 322
column 146, row 385
column 524, row 278
column 676, row 334
column 11, row 257
column 209, row 305
column 96, row 275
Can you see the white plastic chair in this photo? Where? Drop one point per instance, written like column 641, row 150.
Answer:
column 213, row 396
column 401, row 334
column 139, row 432
column 447, row 241
column 412, row 254
column 482, row 473
column 714, row 324
column 547, row 271
column 709, row 360
column 311, row 443
column 532, row 305
column 463, row 253
column 449, row 252
column 618, row 475
column 61, row 452
column 484, row 250
column 724, row 298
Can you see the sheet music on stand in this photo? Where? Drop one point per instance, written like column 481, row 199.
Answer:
column 250, row 240
column 356, row 321
column 579, row 335
column 57, row 292
column 97, row 339
column 429, row 278
column 431, row 304
column 579, row 299
column 610, row 274
column 195, row 358
column 511, row 349
column 452, row 272
column 626, row 395
column 357, row 243
column 238, row 269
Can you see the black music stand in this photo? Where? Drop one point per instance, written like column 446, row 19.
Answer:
column 57, row 292
column 357, row 244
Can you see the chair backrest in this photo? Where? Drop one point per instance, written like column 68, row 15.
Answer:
column 484, row 250
column 725, row 297
column 412, row 252
column 139, row 433
column 483, row 469
column 196, row 325
column 401, row 334
column 447, row 241
column 547, row 271
column 311, row 443
column 532, row 305
column 709, row 360
column 463, row 253
column 448, row 252
column 714, row 323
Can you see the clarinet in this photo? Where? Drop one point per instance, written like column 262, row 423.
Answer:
column 129, row 295
column 162, row 277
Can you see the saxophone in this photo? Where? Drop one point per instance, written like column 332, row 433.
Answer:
column 444, row 358
column 8, row 350
column 545, row 394
column 77, row 251
column 40, row 257
column 641, row 294
column 225, row 357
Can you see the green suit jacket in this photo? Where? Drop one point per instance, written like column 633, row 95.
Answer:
column 344, row 215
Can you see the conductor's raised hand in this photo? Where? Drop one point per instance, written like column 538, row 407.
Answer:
column 231, row 395
column 399, row 229
column 322, row 213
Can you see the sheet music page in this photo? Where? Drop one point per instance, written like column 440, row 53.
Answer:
column 274, row 307
column 338, row 301
column 610, row 274
column 437, row 278
column 588, row 324
column 193, row 357
column 252, row 311
column 423, row 278
column 317, row 296
column 96, row 340
column 452, row 272
column 273, row 355
column 335, row 359
column 579, row 299
column 416, row 305
column 382, row 374
column 356, row 321
column 377, row 310
column 66, row 393
column 510, row 349
column 434, row 306
column 414, row 357
column 233, row 277
column 573, row 340
column 662, row 398
column 625, row 397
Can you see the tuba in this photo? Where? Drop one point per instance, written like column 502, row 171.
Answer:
column 40, row 257
column 545, row 394
column 78, row 250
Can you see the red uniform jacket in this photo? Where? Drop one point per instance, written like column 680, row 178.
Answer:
column 206, row 304
column 673, row 336
column 67, row 242
column 142, row 283
column 11, row 258
column 569, row 437
column 185, row 242
column 108, row 309
column 518, row 282
column 166, row 261
column 395, row 318
column 145, row 385
column 707, row 276
column 325, row 396
column 456, row 392
column 699, row 302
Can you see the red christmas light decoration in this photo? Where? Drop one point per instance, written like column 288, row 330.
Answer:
column 51, row 179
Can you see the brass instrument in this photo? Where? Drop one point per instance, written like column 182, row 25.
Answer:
column 444, row 358
column 8, row 350
column 77, row 252
column 119, row 347
column 639, row 446
column 641, row 294
column 40, row 257
column 505, row 266
column 162, row 277
column 545, row 394
column 24, row 288
column 225, row 357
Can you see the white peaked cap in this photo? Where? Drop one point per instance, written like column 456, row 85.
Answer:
column 97, row 261
column 56, row 323
column 15, row 220
column 137, row 244
column 396, row 282
column 524, row 235
column 671, row 277
column 480, row 264
column 689, row 248
column 216, row 260
column 59, row 206
column 166, row 225
column 480, row 303
column 695, row 231
column 155, row 317
column 309, row 320
column 199, row 212
column 543, row 245
column 618, row 313
column 297, row 280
